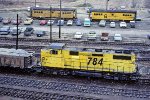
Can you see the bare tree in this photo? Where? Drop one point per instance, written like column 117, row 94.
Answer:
column 147, row 3
column 134, row 3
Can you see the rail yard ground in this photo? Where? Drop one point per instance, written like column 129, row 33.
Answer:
column 71, row 88
column 16, row 87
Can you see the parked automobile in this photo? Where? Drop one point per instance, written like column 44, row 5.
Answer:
column 102, row 23
column 148, row 36
column 132, row 24
column 69, row 22
column 8, row 27
column 104, row 36
column 28, row 31
column 12, row 28
column 87, row 22
column 123, row 25
column 6, row 21
column 14, row 21
column 78, row 22
column 92, row 35
column 28, row 21
column 39, row 33
column 60, row 23
column 138, row 19
column 78, row 35
column 50, row 22
column 14, row 32
column 43, row 22
column 117, row 37
column 5, row 30
column 112, row 24
column 1, row 19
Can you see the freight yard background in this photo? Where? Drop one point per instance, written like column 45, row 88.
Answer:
column 142, row 6
column 76, row 3
column 34, row 85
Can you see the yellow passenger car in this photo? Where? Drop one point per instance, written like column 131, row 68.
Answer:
column 59, row 56
column 66, row 13
column 119, row 15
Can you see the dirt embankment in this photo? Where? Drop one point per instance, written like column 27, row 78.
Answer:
column 74, row 3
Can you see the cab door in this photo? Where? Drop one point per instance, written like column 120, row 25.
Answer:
column 105, row 16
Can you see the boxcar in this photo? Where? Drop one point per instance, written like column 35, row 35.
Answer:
column 66, row 13
column 115, row 15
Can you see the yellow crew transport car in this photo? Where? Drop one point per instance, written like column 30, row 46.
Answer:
column 114, row 15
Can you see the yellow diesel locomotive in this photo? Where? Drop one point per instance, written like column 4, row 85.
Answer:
column 66, row 13
column 115, row 15
column 112, row 64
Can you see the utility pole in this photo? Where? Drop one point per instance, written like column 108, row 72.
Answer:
column 85, row 3
column 107, row 4
column 60, row 21
column 35, row 3
column 17, row 34
column 50, row 24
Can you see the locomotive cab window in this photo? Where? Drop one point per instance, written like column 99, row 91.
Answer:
column 121, row 57
column 76, row 53
column 53, row 52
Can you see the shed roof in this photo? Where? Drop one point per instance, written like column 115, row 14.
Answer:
column 56, row 9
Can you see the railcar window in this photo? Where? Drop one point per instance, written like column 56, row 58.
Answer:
column 66, row 12
column 53, row 52
column 122, row 57
column 74, row 53
column 97, row 54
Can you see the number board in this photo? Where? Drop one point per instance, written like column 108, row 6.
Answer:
column 95, row 61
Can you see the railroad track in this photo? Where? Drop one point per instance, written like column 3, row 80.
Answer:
column 38, row 45
column 76, row 41
column 38, row 95
column 143, row 59
column 81, row 89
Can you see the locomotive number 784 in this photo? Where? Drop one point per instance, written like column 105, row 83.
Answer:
column 95, row 61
